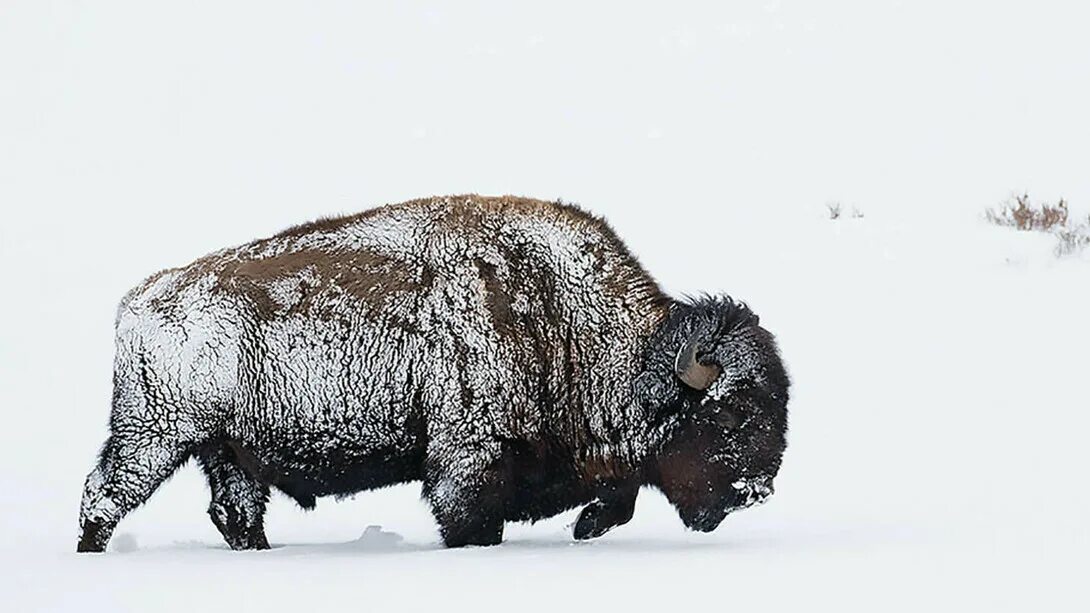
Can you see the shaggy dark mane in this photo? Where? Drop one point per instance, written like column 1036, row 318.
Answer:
column 724, row 313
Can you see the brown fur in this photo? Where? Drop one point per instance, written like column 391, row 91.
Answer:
column 370, row 277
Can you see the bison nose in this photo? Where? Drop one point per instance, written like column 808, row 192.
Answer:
column 762, row 487
column 769, row 487
column 754, row 490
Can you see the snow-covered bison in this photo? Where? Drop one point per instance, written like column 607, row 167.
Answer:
column 510, row 353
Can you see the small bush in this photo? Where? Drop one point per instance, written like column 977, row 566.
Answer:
column 1022, row 215
column 1073, row 239
column 836, row 211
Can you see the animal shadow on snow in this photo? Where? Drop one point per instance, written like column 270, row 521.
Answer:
column 375, row 540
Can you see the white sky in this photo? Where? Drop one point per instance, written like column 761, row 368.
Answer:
column 184, row 109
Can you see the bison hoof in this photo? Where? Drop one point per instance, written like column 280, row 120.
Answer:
column 93, row 539
column 456, row 543
column 255, row 543
column 84, row 547
column 589, row 525
column 481, row 537
column 597, row 518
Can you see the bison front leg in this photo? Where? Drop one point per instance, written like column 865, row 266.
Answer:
column 238, row 500
column 613, row 508
column 467, row 489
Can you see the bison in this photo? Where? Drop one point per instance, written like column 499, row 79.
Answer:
column 509, row 353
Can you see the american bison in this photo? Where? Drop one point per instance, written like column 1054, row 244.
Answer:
column 509, row 353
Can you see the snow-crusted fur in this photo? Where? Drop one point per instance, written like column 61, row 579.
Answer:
column 510, row 353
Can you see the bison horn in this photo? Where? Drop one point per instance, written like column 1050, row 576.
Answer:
column 694, row 374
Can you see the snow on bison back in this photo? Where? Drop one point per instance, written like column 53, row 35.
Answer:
column 510, row 353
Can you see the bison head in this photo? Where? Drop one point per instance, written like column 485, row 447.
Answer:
column 727, row 391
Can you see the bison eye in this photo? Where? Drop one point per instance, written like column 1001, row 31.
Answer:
column 727, row 417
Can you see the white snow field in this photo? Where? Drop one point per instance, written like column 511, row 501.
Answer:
column 939, row 418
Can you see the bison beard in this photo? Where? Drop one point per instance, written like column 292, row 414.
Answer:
column 509, row 353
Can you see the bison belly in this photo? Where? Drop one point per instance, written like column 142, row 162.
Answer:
column 317, row 416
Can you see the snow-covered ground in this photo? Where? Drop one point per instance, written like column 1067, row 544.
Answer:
column 940, row 410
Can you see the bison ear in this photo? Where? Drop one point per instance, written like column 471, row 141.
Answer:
column 693, row 373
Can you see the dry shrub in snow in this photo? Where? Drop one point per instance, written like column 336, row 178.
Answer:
column 1055, row 219
column 1073, row 239
column 836, row 211
column 1021, row 214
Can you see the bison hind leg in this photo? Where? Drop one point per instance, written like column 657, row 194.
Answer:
column 238, row 499
column 128, row 472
